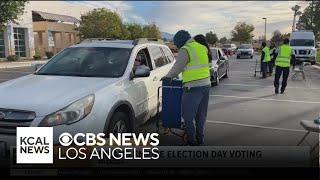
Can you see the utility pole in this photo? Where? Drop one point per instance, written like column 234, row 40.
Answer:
column 265, row 29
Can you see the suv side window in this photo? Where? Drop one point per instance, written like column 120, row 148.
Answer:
column 168, row 55
column 157, row 55
column 143, row 58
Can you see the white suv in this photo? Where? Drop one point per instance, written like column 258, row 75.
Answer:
column 99, row 85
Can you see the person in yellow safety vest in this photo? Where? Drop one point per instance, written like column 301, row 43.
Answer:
column 282, row 62
column 265, row 59
column 193, row 61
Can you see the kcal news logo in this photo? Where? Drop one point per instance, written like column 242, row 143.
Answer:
column 34, row 145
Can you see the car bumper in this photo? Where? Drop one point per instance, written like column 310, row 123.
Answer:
column 305, row 58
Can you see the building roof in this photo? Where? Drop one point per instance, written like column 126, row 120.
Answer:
column 55, row 17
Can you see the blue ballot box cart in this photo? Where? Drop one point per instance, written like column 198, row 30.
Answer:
column 171, row 105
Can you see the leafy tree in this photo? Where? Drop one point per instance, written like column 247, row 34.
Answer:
column 310, row 17
column 151, row 31
column 276, row 37
column 223, row 40
column 135, row 31
column 101, row 23
column 242, row 32
column 286, row 35
column 10, row 11
column 211, row 38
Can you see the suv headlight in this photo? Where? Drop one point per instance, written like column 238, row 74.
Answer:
column 70, row 114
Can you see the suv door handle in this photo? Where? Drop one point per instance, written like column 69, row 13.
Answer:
column 155, row 78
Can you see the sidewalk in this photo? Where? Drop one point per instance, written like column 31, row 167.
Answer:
column 6, row 65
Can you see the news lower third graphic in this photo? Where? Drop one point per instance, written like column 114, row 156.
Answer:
column 37, row 145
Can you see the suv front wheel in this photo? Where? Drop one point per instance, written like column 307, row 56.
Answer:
column 119, row 123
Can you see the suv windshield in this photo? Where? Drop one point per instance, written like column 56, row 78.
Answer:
column 245, row 46
column 302, row 42
column 88, row 62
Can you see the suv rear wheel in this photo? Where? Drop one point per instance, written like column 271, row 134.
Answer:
column 119, row 123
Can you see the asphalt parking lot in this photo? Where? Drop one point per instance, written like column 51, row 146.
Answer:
column 243, row 109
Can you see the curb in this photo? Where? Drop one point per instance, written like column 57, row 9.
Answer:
column 8, row 65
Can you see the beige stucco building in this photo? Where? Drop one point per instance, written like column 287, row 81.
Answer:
column 37, row 32
column 17, row 38
column 53, row 32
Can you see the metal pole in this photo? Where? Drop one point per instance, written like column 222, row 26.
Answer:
column 265, row 29
column 294, row 21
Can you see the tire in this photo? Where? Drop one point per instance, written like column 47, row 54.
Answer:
column 212, row 82
column 119, row 123
column 313, row 62
column 238, row 57
column 226, row 75
column 217, row 80
column 251, row 57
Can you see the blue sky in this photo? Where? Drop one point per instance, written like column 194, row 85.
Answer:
column 194, row 16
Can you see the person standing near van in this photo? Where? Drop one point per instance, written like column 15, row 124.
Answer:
column 282, row 63
column 193, row 62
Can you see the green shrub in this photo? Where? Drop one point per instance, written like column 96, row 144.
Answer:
column 318, row 55
column 49, row 54
column 37, row 57
column 12, row 58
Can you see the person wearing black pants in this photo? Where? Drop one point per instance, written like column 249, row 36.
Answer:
column 270, row 68
column 284, row 71
column 282, row 62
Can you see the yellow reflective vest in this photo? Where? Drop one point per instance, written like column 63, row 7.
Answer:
column 266, row 57
column 284, row 56
column 198, row 65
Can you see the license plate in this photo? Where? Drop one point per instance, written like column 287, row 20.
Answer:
column 3, row 149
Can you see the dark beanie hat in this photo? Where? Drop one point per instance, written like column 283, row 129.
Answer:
column 181, row 37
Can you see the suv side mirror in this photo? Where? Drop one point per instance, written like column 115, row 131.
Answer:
column 142, row 71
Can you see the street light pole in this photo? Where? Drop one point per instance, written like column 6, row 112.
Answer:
column 265, row 29
column 296, row 11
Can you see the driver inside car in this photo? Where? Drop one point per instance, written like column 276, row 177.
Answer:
column 139, row 62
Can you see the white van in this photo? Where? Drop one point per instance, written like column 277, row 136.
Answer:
column 303, row 45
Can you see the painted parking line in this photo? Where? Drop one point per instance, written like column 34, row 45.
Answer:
column 266, row 99
column 256, row 126
column 256, row 85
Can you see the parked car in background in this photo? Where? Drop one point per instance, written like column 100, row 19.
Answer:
column 220, row 66
column 245, row 51
column 98, row 85
column 229, row 49
column 304, row 46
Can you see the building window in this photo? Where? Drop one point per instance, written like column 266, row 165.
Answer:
column 2, row 47
column 19, row 42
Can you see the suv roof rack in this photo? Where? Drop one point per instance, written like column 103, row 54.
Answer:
column 98, row 39
column 147, row 40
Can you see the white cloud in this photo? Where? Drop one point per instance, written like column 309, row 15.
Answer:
column 194, row 16
column 221, row 17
